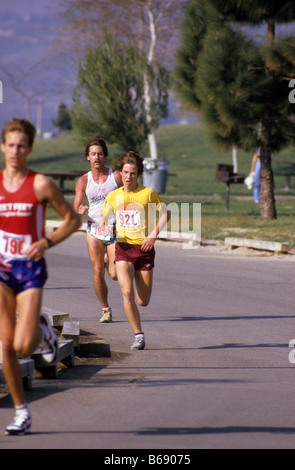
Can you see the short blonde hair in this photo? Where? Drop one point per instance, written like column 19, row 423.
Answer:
column 20, row 125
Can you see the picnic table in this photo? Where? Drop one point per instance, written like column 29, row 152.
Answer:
column 63, row 176
column 286, row 171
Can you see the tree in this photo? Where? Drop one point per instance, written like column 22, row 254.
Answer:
column 241, row 86
column 276, row 116
column 198, row 17
column 109, row 99
column 63, row 121
column 151, row 24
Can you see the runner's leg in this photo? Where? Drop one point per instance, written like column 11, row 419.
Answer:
column 23, row 336
column 11, row 368
column 28, row 333
column 144, row 285
column 96, row 251
column 111, row 265
column 126, row 274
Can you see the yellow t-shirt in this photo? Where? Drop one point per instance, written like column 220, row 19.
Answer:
column 135, row 213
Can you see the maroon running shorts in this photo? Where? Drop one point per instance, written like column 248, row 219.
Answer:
column 143, row 261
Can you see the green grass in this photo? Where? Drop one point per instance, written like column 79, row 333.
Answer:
column 192, row 178
column 242, row 219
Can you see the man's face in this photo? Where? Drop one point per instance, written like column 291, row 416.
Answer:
column 15, row 149
column 129, row 176
column 96, row 157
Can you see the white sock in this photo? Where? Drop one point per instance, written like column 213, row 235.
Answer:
column 22, row 410
column 139, row 335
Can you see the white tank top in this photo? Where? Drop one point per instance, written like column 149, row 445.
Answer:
column 96, row 194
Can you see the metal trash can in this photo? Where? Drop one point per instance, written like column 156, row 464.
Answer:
column 155, row 174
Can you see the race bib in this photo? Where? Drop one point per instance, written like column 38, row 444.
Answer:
column 14, row 246
column 96, row 232
column 129, row 219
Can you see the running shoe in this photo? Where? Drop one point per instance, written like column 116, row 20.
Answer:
column 20, row 426
column 106, row 316
column 49, row 349
column 139, row 342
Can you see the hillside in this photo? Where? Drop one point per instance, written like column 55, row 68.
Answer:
column 192, row 161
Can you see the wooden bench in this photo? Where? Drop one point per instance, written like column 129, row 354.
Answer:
column 71, row 330
column 65, row 347
column 65, row 356
column 27, row 367
column 288, row 170
column 64, row 176
column 288, row 176
column 57, row 318
column 277, row 247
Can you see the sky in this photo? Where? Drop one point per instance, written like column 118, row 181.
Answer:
column 26, row 34
column 39, row 7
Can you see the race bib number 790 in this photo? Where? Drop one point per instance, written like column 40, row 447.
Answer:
column 14, row 246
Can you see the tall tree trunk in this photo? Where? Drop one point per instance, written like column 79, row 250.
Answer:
column 152, row 136
column 267, row 199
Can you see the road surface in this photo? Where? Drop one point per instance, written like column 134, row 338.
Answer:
column 216, row 371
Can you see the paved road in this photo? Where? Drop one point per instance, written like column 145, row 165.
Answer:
column 215, row 373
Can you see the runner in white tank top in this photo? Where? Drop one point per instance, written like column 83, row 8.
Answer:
column 95, row 186
column 96, row 195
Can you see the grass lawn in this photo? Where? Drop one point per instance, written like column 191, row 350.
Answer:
column 243, row 219
column 192, row 178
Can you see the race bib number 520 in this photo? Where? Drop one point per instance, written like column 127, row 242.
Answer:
column 14, row 246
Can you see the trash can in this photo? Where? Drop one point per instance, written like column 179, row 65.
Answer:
column 155, row 174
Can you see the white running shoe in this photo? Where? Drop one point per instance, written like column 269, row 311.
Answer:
column 106, row 316
column 49, row 348
column 139, row 342
column 20, row 426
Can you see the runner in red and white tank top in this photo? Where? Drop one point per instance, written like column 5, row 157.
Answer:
column 21, row 219
column 95, row 186
column 23, row 272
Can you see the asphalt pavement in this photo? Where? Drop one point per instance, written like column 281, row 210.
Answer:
column 217, row 371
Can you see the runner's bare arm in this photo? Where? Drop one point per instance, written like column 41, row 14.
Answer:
column 46, row 190
column 80, row 194
column 150, row 240
column 106, row 212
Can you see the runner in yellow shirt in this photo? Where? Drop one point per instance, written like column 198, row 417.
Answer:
column 135, row 207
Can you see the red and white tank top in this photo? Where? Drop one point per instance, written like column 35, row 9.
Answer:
column 21, row 218
column 96, row 195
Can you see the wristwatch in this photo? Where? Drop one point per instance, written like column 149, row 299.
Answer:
column 50, row 242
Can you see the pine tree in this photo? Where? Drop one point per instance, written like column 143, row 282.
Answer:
column 240, row 86
column 199, row 16
column 227, row 87
column 63, row 121
column 277, row 124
